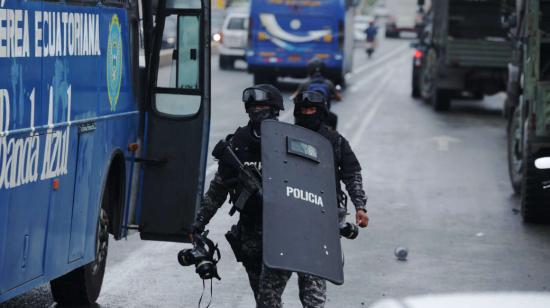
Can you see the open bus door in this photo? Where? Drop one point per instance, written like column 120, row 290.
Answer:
column 178, row 116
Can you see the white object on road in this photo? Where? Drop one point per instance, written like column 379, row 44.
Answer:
column 443, row 142
column 542, row 163
column 471, row 300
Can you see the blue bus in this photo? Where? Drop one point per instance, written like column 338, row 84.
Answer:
column 91, row 142
column 284, row 35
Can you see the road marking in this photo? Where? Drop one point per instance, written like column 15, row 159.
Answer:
column 359, row 84
column 379, row 60
column 359, row 132
column 372, row 112
column 374, row 92
column 443, row 142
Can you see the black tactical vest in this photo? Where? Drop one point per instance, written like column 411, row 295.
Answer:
column 247, row 147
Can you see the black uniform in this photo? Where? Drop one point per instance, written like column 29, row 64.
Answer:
column 247, row 147
column 348, row 169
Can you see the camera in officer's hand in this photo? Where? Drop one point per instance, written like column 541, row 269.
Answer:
column 349, row 230
column 204, row 255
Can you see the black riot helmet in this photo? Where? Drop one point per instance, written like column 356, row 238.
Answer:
column 310, row 99
column 263, row 94
column 315, row 66
column 258, row 96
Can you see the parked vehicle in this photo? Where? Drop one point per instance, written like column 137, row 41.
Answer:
column 527, row 105
column 467, row 51
column 404, row 16
column 233, row 38
column 79, row 118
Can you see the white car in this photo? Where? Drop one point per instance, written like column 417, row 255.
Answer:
column 233, row 38
column 471, row 300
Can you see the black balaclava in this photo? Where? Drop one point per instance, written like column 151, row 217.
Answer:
column 258, row 116
column 311, row 121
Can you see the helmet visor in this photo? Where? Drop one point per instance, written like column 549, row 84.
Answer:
column 251, row 95
column 311, row 97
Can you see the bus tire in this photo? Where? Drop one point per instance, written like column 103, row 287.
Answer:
column 535, row 205
column 83, row 285
column 341, row 81
column 260, row 78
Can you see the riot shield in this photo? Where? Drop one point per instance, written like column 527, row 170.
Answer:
column 300, row 212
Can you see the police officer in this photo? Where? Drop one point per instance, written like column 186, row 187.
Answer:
column 316, row 73
column 310, row 111
column 262, row 102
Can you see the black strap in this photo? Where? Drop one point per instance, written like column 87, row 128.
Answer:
column 202, row 294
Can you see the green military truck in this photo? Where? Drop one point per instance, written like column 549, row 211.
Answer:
column 527, row 106
column 467, row 51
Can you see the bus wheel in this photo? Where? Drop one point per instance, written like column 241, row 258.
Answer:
column 82, row 285
column 260, row 78
column 341, row 81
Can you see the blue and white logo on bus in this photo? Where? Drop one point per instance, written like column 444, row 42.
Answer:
column 287, row 40
column 114, row 62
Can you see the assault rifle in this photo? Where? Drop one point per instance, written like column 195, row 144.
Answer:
column 249, row 177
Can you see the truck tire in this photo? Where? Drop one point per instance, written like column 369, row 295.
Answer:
column 515, row 155
column 441, row 100
column 415, row 85
column 535, row 201
column 415, row 93
column 428, row 77
column 83, row 285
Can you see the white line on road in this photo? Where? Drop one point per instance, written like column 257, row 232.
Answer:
column 372, row 112
column 376, row 91
column 363, row 67
column 359, row 84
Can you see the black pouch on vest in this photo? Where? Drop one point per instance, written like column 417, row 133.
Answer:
column 234, row 239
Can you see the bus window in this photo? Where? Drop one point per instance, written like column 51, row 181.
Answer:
column 183, row 4
column 180, row 42
column 188, row 47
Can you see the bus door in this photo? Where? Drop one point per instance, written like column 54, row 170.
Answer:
column 177, row 120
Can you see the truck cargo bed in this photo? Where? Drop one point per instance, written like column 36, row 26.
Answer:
column 478, row 53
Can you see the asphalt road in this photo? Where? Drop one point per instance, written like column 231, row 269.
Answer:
column 437, row 184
